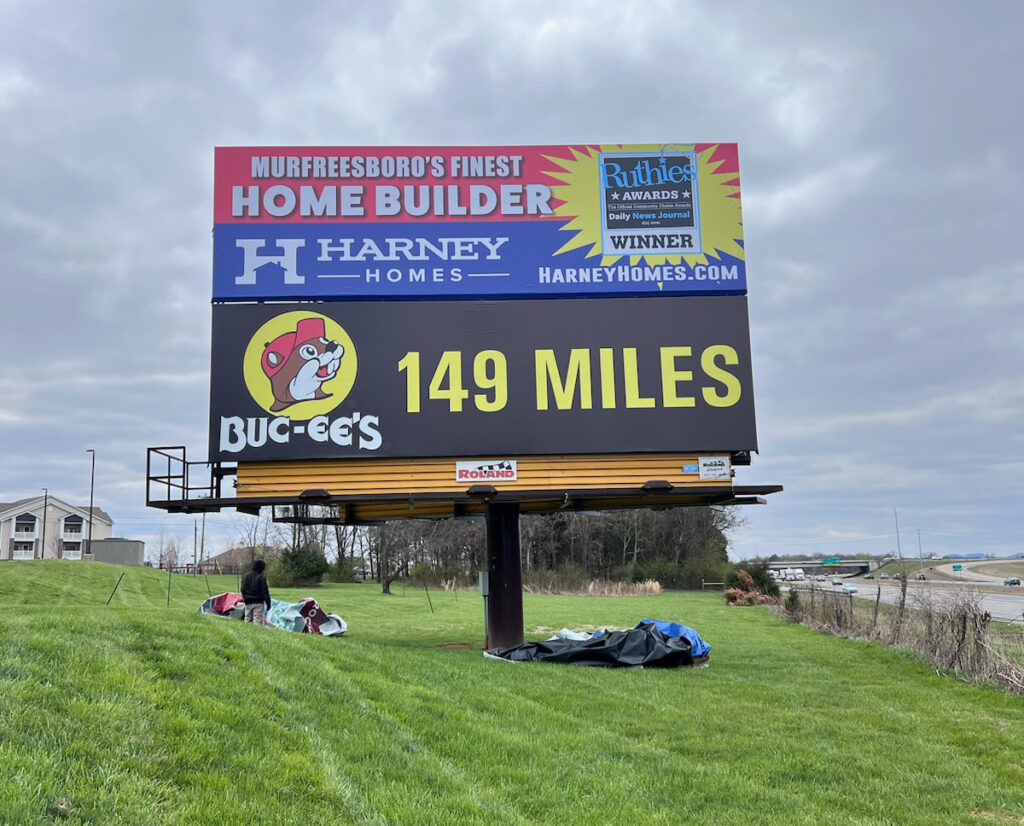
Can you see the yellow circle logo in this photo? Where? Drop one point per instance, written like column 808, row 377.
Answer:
column 300, row 365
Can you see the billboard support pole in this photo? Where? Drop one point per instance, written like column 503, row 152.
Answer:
column 505, row 577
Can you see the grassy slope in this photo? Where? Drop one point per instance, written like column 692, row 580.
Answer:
column 1013, row 567
column 141, row 714
column 908, row 566
column 1010, row 567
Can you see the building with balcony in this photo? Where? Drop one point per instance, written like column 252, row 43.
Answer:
column 62, row 534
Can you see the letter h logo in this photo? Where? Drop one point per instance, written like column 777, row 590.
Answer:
column 254, row 260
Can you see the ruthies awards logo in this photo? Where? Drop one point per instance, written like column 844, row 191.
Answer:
column 299, row 367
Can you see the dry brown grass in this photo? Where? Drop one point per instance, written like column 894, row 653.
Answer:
column 955, row 635
column 599, row 588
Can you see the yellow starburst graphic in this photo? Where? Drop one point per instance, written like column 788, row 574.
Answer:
column 717, row 186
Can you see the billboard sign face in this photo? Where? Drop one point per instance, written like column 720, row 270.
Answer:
column 324, row 223
column 495, row 379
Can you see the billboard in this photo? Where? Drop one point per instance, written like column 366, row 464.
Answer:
column 494, row 379
column 353, row 223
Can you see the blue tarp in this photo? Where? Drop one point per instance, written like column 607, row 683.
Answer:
column 698, row 647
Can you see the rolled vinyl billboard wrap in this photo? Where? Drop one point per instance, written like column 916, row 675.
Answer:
column 480, row 378
column 323, row 223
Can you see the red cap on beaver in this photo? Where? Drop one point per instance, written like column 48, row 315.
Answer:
column 276, row 353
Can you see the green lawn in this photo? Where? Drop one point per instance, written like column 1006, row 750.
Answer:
column 138, row 713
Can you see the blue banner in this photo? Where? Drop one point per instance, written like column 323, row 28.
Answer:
column 449, row 260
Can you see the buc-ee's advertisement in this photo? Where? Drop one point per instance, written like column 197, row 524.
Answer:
column 294, row 223
column 474, row 378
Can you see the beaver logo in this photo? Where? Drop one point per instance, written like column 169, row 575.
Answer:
column 299, row 362
column 300, row 365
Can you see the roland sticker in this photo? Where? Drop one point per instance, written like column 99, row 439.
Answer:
column 486, row 470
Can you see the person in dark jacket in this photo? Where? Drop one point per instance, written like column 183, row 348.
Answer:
column 255, row 593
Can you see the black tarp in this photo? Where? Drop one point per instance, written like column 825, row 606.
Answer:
column 643, row 646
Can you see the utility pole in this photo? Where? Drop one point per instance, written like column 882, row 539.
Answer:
column 46, row 507
column 920, row 554
column 195, row 545
column 899, row 551
column 202, row 540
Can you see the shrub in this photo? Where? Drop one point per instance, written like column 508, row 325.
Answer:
column 342, row 571
column 793, row 603
column 694, row 572
column 437, row 576
column 667, row 573
column 744, row 587
column 755, row 576
column 303, row 566
column 567, row 578
column 764, row 582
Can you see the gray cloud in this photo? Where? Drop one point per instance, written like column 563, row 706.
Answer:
column 881, row 189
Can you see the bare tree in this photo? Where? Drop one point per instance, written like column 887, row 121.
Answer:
column 388, row 544
column 170, row 553
column 252, row 531
column 55, row 546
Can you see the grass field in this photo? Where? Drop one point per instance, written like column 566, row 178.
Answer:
column 138, row 713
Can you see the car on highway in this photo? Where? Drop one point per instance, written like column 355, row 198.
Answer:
column 849, row 589
column 920, row 577
column 837, row 581
column 1012, row 580
column 897, row 576
column 884, row 576
column 869, row 576
column 819, row 578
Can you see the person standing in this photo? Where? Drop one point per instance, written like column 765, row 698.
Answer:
column 255, row 593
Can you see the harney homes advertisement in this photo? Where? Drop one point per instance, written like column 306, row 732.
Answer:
column 590, row 220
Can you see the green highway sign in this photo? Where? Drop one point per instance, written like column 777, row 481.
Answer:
column 830, row 560
column 958, row 567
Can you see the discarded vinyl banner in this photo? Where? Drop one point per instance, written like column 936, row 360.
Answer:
column 644, row 646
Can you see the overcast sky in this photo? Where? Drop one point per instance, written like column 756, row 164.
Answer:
column 882, row 196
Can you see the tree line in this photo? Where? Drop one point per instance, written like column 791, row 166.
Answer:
column 678, row 547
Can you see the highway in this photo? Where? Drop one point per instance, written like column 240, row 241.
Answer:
column 1004, row 603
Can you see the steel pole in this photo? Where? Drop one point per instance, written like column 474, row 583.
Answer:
column 505, row 577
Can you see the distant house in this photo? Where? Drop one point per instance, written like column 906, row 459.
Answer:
column 237, row 560
column 62, row 534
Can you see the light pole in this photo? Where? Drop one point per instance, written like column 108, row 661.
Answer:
column 92, row 486
column 46, row 507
